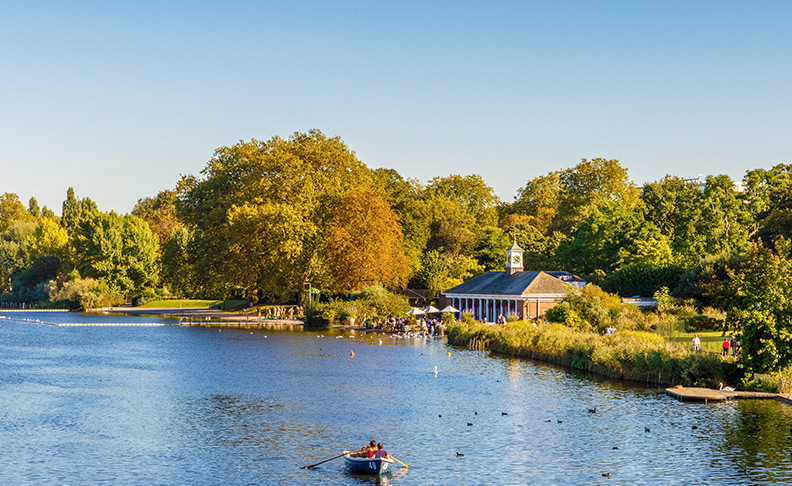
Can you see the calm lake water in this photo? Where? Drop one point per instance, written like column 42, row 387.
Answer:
column 184, row 405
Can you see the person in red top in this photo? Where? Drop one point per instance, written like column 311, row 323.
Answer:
column 372, row 447
column 367, row 450
column 725, row 347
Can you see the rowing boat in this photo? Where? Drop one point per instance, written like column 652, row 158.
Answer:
column 367, row 465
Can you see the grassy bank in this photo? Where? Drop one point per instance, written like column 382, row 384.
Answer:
column 176, row 303
column 631, row 355
column 711, row 341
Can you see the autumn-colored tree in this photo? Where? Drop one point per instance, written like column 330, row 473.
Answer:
column 49, row 238
column 12, row 211
column 260, row 212
column 363, row 243
column 406, row 198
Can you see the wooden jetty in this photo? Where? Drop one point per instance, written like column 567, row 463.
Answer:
column 689, row 393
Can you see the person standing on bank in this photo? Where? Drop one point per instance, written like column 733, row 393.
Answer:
column 725, row 347
column 696, row 342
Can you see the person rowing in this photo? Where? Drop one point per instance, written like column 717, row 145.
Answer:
column 367, row 450
column 380, row 452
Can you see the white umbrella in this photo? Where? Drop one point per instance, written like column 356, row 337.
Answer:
column 415, row 312
column 431, row 310
column 450, row 308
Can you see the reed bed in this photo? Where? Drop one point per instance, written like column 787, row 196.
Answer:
column 631, row 355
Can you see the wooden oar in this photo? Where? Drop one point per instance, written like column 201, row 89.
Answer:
column 403, row 464
column 327, row 460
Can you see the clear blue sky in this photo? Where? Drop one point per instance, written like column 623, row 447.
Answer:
column 117, row 99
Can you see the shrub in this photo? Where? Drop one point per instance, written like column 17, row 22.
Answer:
column 641, row 279
column 84, row 293
column 586, row 308
column 144, row 296
column 378, row 302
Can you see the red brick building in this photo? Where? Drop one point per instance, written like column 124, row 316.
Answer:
column 514, row 292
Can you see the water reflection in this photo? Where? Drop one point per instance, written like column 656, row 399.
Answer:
column 176, row 405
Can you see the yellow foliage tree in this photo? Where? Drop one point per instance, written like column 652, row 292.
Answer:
column 363, row 243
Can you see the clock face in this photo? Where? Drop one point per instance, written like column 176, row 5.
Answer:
column 516, row 259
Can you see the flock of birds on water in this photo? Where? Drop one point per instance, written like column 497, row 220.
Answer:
column 592, row 411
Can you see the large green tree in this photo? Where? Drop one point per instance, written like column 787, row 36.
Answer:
column 768, row 198
column 611, row 236
column 590, row 184
column 178, row 273
column 121, row 251
column 698, row 221
column 76, row 210
column 539, row 200
column 160, row 213
column 16, row 249
column 758, row 299
column 559, row 200
column 261, row 212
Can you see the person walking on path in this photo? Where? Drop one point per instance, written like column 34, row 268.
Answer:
column 725, row 347
column 733, row 344
column 696, row 342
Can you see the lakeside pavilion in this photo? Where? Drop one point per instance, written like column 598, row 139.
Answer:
column 515, row 292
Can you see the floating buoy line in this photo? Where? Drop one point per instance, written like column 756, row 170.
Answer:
column 86, row 324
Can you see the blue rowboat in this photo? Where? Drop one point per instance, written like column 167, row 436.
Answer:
column 364, row 465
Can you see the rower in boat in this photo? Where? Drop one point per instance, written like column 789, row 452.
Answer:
column 366, row 451
column 380, row 452
column 378, row 463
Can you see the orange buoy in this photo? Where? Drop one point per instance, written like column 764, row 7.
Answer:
column 351, row 354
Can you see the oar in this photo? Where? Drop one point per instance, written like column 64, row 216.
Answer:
column 327, row 460
column 403, row 464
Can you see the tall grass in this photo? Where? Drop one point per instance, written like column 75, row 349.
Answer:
column 627, row 354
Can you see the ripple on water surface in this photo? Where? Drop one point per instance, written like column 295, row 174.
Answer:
column 184, row 405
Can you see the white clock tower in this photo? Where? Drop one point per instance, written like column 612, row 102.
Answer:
column 514, row 259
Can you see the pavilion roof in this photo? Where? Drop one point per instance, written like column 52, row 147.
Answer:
column 520, row 283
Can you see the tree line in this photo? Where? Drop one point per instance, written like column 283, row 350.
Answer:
column 263, row 220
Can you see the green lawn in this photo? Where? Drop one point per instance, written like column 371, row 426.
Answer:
column 177, row 303
column 710, row 340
